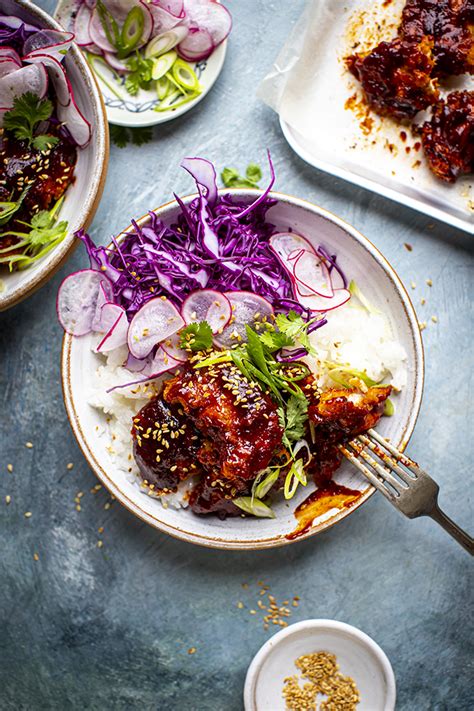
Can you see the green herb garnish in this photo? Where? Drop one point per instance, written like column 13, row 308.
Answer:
column 27, row 112
column 196, row 336
column 231, row 177
column 43, row 234
column 141, row 74
column 121, row 136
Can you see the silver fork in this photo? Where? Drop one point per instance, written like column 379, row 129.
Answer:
column 410, row 489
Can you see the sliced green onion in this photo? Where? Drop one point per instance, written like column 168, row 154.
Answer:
column 164, row 42
column 262, row 489
column 355, row 291
column 295, row 476
column 108, row 23
column 93, row 60
column 132, row 32
column 162, row 64
column 340, row 374
column 253, row 506
column 389, row 408
column 167, row 103
column 185, row 76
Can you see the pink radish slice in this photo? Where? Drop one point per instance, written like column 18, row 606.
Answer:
column 81, row 26
column 52, row 42
column 117, row 64
column 136, row 365
column 97, row 33
column 321, row 304
column 34, row 79
column 77, row 300
column 8, row 66
column 247, row 309
column 212, row 17
column 55, row 72
column 162, row 362
column 311, row 272
column 288, row 245
column 10, row 53
column 77, row 125
column 104, row 296
column 207, row 305
column 163, row 21
column 172, row 348
column 196, row 46
column 157, row 320
column 174, row 7
column 116, row 335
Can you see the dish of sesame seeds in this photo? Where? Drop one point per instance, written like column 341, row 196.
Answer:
column 233, row 356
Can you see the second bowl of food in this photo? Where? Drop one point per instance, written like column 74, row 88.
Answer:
column 219, row 351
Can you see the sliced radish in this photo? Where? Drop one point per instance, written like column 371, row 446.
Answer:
column 207, row 305
column 77, row 125
column 14, row 84
column 321, row 304
column 77, row 300
column 162, row 19
column 287, row 246
column 310, row 271
column 115, row 317
column 157, row 320
column 210, row 16
column 104, row 296
column 56, row 74
column 174, row 7
column 97, row 33
column 136, row 365
column 55, row 43
column 172, row 348
column 8, row 66
column 197, row 45
column 247, row 309
column 165, row 41
column 119, row 65
column 81, row 26
column 10, row 53
column 162, row 362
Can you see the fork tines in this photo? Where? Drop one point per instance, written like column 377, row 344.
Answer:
column 385, row 472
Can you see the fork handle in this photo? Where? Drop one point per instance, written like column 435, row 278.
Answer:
column 453, row 529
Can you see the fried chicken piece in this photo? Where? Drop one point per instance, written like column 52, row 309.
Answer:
column 448, row 138
column 165, row 445
column 338, row 415
column 450, row 25
column 396, row 77
column 239, row 427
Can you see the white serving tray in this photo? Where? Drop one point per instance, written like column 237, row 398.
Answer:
column 309, row 87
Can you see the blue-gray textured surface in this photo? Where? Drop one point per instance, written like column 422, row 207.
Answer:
column 110, row 628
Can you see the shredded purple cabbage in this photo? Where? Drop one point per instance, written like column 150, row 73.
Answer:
column 218, row 241
column 14, row 37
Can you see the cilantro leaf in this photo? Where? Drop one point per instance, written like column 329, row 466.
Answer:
column 291, row 324
column 140, row 75
column 121, row 136
column 27, row 112
column 196, row 336
column 275, row 340
column 232, row 179
column 296, row 417
column 141, row 135
column 43, row 143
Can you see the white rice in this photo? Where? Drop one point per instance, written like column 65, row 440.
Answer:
column 353, row 338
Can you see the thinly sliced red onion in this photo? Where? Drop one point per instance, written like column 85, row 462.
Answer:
column 198, row 45
column 157, row 320
column 77, row 300
column 115, row 318
column 247, row 309
column 207, row 305
column 14, row 84
column 55, row 43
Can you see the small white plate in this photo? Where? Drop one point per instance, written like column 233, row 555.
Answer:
column 122, row 108
column 357, row 654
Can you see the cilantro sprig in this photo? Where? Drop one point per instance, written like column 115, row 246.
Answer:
column 23, row 118
column 140, row 75
column 121, row 135
column 196, row 336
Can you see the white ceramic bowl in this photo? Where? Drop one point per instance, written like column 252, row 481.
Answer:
column 126, row 110
column 357, row 654
column 83, row 196
column 362, row 262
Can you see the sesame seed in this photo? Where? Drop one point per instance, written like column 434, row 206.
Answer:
column 8, row 499
column 70, row 466
column 434, row 319
column 27, row 514
column 100, row 544
column 29, row 445
column 10, row 467
column 192, row 650
column 36, row 556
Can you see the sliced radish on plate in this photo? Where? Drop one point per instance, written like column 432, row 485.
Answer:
column 77, row 300
column 247, row 309
column 311, row 274
column 136, row 365
column 210, row 16
column 287, row 246
column 321, row 304
column 81, row 26
column 197, row 45
column 207, row 305
column 115, row 317
column 157, row 320
column 172, row 347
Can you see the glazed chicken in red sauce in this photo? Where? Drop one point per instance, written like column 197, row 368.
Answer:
column 225, row 429
column 448, row 137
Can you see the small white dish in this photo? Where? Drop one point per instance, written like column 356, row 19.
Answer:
column 357, row 654
column 122, row 108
